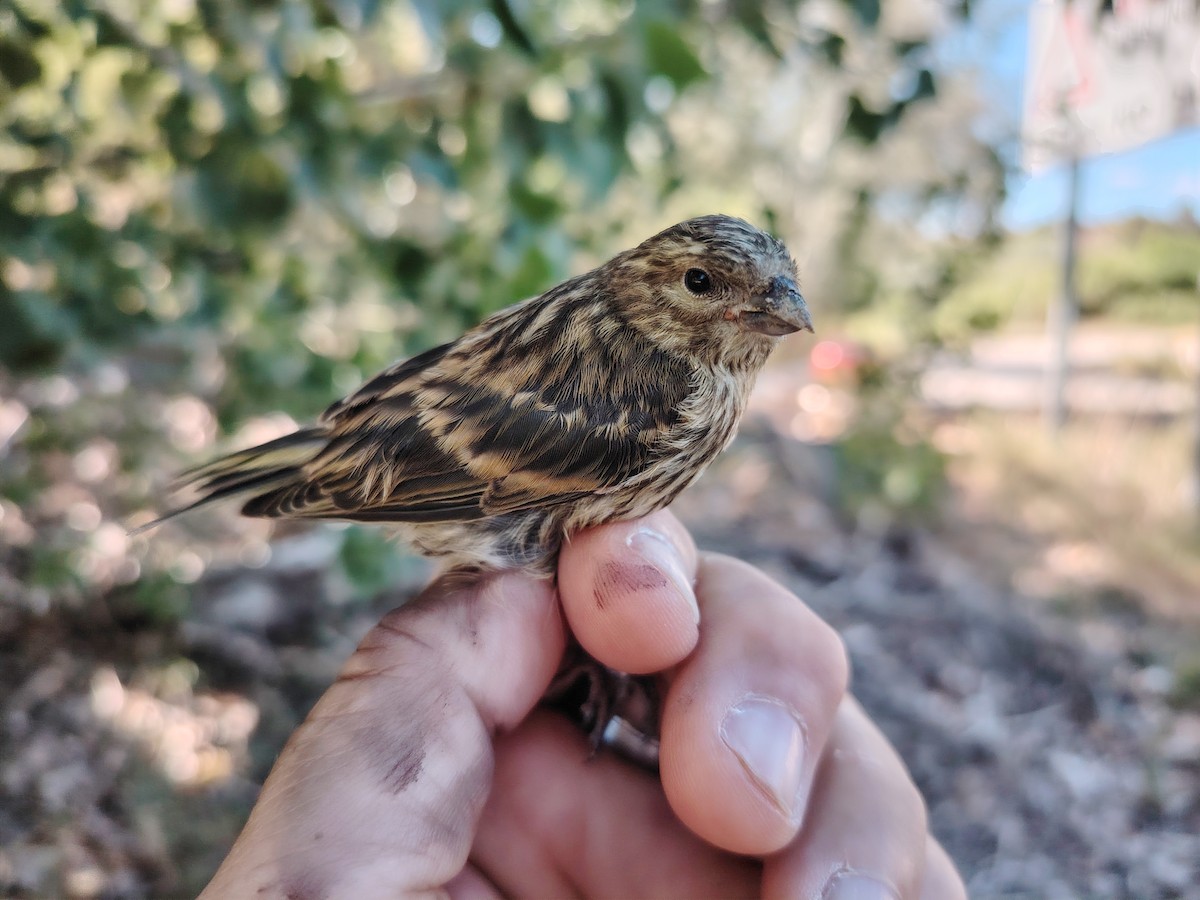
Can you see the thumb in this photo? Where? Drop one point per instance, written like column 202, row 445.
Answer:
column 379, row 791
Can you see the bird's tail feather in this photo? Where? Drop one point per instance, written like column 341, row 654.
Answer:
column 251, row 471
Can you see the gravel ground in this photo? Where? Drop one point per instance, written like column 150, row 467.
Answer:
column 1053, row 764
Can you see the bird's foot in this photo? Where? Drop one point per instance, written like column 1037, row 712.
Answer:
column 617, row 710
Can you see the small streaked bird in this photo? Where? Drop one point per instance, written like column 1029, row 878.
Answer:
column 599, row 400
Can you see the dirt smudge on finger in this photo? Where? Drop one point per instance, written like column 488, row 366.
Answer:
column 407, row 768
column 615, row 577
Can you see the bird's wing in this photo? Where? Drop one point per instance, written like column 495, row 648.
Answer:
column 426, row 442
column 397, row 379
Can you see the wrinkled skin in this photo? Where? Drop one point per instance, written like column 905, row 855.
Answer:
column 427, row 769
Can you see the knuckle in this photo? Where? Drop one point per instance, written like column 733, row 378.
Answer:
column 396, row 642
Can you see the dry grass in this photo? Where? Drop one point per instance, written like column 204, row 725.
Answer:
column 1105, row 508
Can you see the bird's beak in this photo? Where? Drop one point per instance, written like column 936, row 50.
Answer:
column 780, row 310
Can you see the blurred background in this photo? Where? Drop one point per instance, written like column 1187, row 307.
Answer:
column 217, row 217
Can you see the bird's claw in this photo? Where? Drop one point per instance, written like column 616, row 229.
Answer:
column 616, row 710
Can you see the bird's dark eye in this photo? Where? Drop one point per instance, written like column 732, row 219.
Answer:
column 697, row 281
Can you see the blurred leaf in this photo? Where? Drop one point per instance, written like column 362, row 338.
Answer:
column 874, row 469
column 867, row 11
column 243, row 185
column 749, row 15
column 34, row 333
column 370, row 560
column 30, row 22
column 926, row 86
column 158, row 598
column 864, row 124
column 18, row 66
column 534, row 274
column 831, row 46
column 670, row 55
column 512, row 28
column 538, row 207
column 617, row 116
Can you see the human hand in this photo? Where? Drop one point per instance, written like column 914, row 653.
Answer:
column 426, row 769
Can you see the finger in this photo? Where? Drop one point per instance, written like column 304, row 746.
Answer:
column 866, row 833
column 378, row 791
column 627, row 592
column 748, row 713
column 560, row 825
column 470, row 884
column 941, row 881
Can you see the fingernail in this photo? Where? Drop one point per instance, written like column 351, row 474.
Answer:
column 656, row 548
column 846, row 884
column 768, row 740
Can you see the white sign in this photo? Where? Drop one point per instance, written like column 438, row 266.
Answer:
column 1108, row 75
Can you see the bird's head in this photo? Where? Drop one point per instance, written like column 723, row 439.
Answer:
column 714, row 286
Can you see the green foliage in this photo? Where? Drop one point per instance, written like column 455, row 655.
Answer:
column 156, row 598
column 1139, row 262
column 1137, row 271
column 212, row 211
column 880, row 474
column 1185, row 692
column 867, row 10
column 370, row 561
column 670, row 56
column 255, row 167
column 884, row 466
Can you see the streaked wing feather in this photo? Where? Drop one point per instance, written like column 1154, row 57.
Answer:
column 509, row 460
column 391, row 380
column 444, row 437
